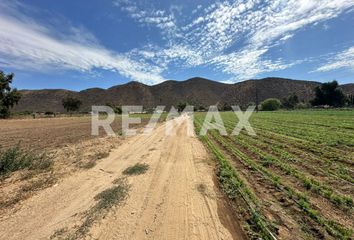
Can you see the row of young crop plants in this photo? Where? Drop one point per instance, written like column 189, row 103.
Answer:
column 329, row 171
column 274, row 144
column 335, row 164
column 256, row 156
column 338, row 140
column 340, row 158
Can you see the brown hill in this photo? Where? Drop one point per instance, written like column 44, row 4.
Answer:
column 196, row 91
column 348, row 88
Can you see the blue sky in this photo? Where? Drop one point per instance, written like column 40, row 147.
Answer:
column 82, row 44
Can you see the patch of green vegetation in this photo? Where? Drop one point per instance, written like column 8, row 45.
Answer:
column 105, row 200
column 14, row 159
column 312, row 147
column 309, row 183
column 111, row 196
column 270, row 104
column 137, row 169
column 335, row 229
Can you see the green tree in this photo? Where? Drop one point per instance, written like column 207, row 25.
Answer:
column 116, row 109
column 291, row 101
column 329, row 94
column 270, row 104
column 8, row 96
column 226, row 107
column 201, row 108
column 181, row 106
column 71, row 104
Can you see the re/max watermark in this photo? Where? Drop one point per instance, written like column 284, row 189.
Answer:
column 174, row 119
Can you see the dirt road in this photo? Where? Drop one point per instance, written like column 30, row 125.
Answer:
column 175, row 199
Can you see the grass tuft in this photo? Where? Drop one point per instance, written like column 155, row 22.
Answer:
column 137, row 169
column 111, row 196
column 14, row 159
column 105, row 200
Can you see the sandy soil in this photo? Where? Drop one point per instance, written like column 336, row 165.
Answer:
column 50, row 133
column 175, row 199
column 67, row 160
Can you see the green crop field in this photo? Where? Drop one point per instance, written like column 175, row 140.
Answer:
column 294, row 179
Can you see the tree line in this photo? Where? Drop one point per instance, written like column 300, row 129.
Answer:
column 326, row 95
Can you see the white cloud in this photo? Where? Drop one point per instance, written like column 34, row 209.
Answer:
column 344, row 59
column 281, row 18
column 28, row 45
column 236, row 36
column 182, row 53
column 247, row 63
column 252, row 28
column 159, row 18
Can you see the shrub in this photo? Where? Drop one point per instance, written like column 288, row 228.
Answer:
column 301, row 105
column 71, row 104
column 201, row 108
column 111, row 196
column 116, row 109
column 226, row 107
column 251, row 104
column 137, row 169
column 181, row 106
column 14, row 159
column 290, row 102
column 270, row 104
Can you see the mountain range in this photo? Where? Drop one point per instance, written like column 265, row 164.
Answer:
column 196, row 91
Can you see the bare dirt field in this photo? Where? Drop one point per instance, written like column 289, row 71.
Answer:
column 49, row 133
column 176, row 198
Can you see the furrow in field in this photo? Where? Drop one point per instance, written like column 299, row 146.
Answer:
column 334, row 229
column 324, row 199
column 302, row 163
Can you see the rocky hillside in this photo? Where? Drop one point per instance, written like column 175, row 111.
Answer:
column 196, row 91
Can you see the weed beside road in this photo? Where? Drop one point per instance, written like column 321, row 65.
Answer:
column 137, row 169
column 14, row 159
